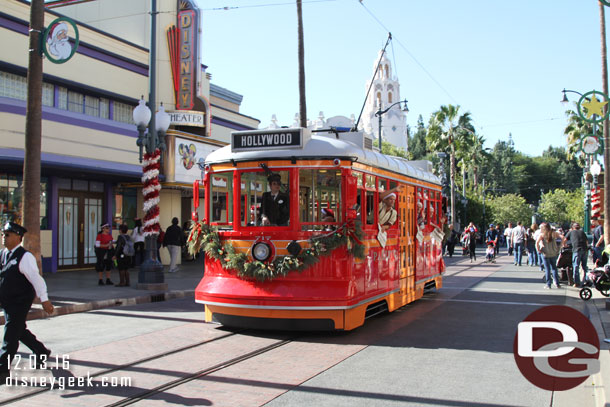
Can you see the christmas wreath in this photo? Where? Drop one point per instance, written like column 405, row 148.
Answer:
column 206, row 238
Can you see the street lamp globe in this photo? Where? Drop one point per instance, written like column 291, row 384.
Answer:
column 595, row 169
column 141, row 114
column 162, row 119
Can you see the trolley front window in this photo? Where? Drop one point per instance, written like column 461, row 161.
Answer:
column 221, row 194
column 265, row 198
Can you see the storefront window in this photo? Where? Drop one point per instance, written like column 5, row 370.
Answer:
column 11, row 191
column 125, row 208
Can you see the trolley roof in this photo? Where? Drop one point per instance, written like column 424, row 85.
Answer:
column 322, row 147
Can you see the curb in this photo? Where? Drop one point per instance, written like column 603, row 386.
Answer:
column 38, row 312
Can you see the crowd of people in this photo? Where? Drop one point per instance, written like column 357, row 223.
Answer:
column 539, row 246
column 128, row 250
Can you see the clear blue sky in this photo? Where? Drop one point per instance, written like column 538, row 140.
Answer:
column 505, row 62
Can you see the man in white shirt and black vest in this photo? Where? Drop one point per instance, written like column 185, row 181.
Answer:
column 20, row 283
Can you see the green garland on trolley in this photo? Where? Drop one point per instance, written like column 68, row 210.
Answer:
column 206, row 238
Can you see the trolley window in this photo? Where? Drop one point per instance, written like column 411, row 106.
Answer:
column 253, row 184
column 319, row 198
column 275, row 201
column 221, row 194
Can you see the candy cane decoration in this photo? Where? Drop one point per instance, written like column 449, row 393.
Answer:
column 150, row 179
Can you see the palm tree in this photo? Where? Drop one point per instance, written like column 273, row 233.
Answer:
column 602, row 24
column 474, row 154
column 302, row 104
column 33, row 135
column 445, row 128
column 576, row 129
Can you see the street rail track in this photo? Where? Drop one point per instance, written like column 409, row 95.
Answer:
column 171, row 384
column 194, row 376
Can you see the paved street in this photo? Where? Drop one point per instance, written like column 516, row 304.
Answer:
column 452, row 348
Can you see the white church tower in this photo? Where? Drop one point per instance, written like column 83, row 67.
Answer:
column 384, row 93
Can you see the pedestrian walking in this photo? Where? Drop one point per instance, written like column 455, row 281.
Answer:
column 548, row 247
column 507, row 238
column 518, row 242
column 530, row 244
column 20, row 283
column 471, row 241
column 173, row 240
column 580, row 252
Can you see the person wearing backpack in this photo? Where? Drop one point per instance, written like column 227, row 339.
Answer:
column 123, row 254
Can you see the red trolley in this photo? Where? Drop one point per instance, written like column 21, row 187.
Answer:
column 310, row 270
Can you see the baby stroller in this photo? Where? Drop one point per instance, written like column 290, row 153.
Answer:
column 464, row 241
column 564, row 265
column 490, row 253
column 599, row 278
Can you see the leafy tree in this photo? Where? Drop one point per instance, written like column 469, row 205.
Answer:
column 510, row 208
column 562, row 207
column 418, row 148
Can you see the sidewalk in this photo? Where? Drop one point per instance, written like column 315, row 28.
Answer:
column 78, row 291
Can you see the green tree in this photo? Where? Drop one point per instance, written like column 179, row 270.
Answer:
column 562, row 207
column 510, row 208
column 418, row 148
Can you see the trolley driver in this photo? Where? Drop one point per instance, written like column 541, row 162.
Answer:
column 275, row 209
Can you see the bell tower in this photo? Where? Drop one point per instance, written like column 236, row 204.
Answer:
column 384, row 92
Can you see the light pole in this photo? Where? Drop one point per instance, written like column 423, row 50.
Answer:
column 380, row 113
column 596, row 112
column 151, row 138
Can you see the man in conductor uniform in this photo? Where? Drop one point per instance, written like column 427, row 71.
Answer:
column 20, row 283
column 275, row 209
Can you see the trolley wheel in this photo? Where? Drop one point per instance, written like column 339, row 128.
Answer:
column 585, row 293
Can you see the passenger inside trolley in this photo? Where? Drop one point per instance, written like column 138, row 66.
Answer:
column 328, row 215
column 387, row 213
column 275, row 207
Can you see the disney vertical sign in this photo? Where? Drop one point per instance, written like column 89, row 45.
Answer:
column 184, row 54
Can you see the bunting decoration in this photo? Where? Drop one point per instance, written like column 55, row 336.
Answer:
column 203, row 237
column 596, row 204
column 150, row 181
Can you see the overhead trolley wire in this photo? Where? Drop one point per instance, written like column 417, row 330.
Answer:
column 291, row 3
column 409, row 53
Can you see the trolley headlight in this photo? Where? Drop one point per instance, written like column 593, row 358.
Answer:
column 261, row 251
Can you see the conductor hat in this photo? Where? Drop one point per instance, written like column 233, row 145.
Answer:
column 14, row 228
column 274, row 178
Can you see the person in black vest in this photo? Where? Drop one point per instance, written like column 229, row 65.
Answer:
column 173, row 240
column 20, row 283
column 275, row 206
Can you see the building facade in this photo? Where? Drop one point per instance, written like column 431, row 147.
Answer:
column 90, row 161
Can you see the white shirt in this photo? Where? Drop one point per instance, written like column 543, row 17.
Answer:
column 29, row 268
column 138, row 237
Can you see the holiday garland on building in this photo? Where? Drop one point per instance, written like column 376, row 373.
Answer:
column 151, row 188
column 203, row 237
